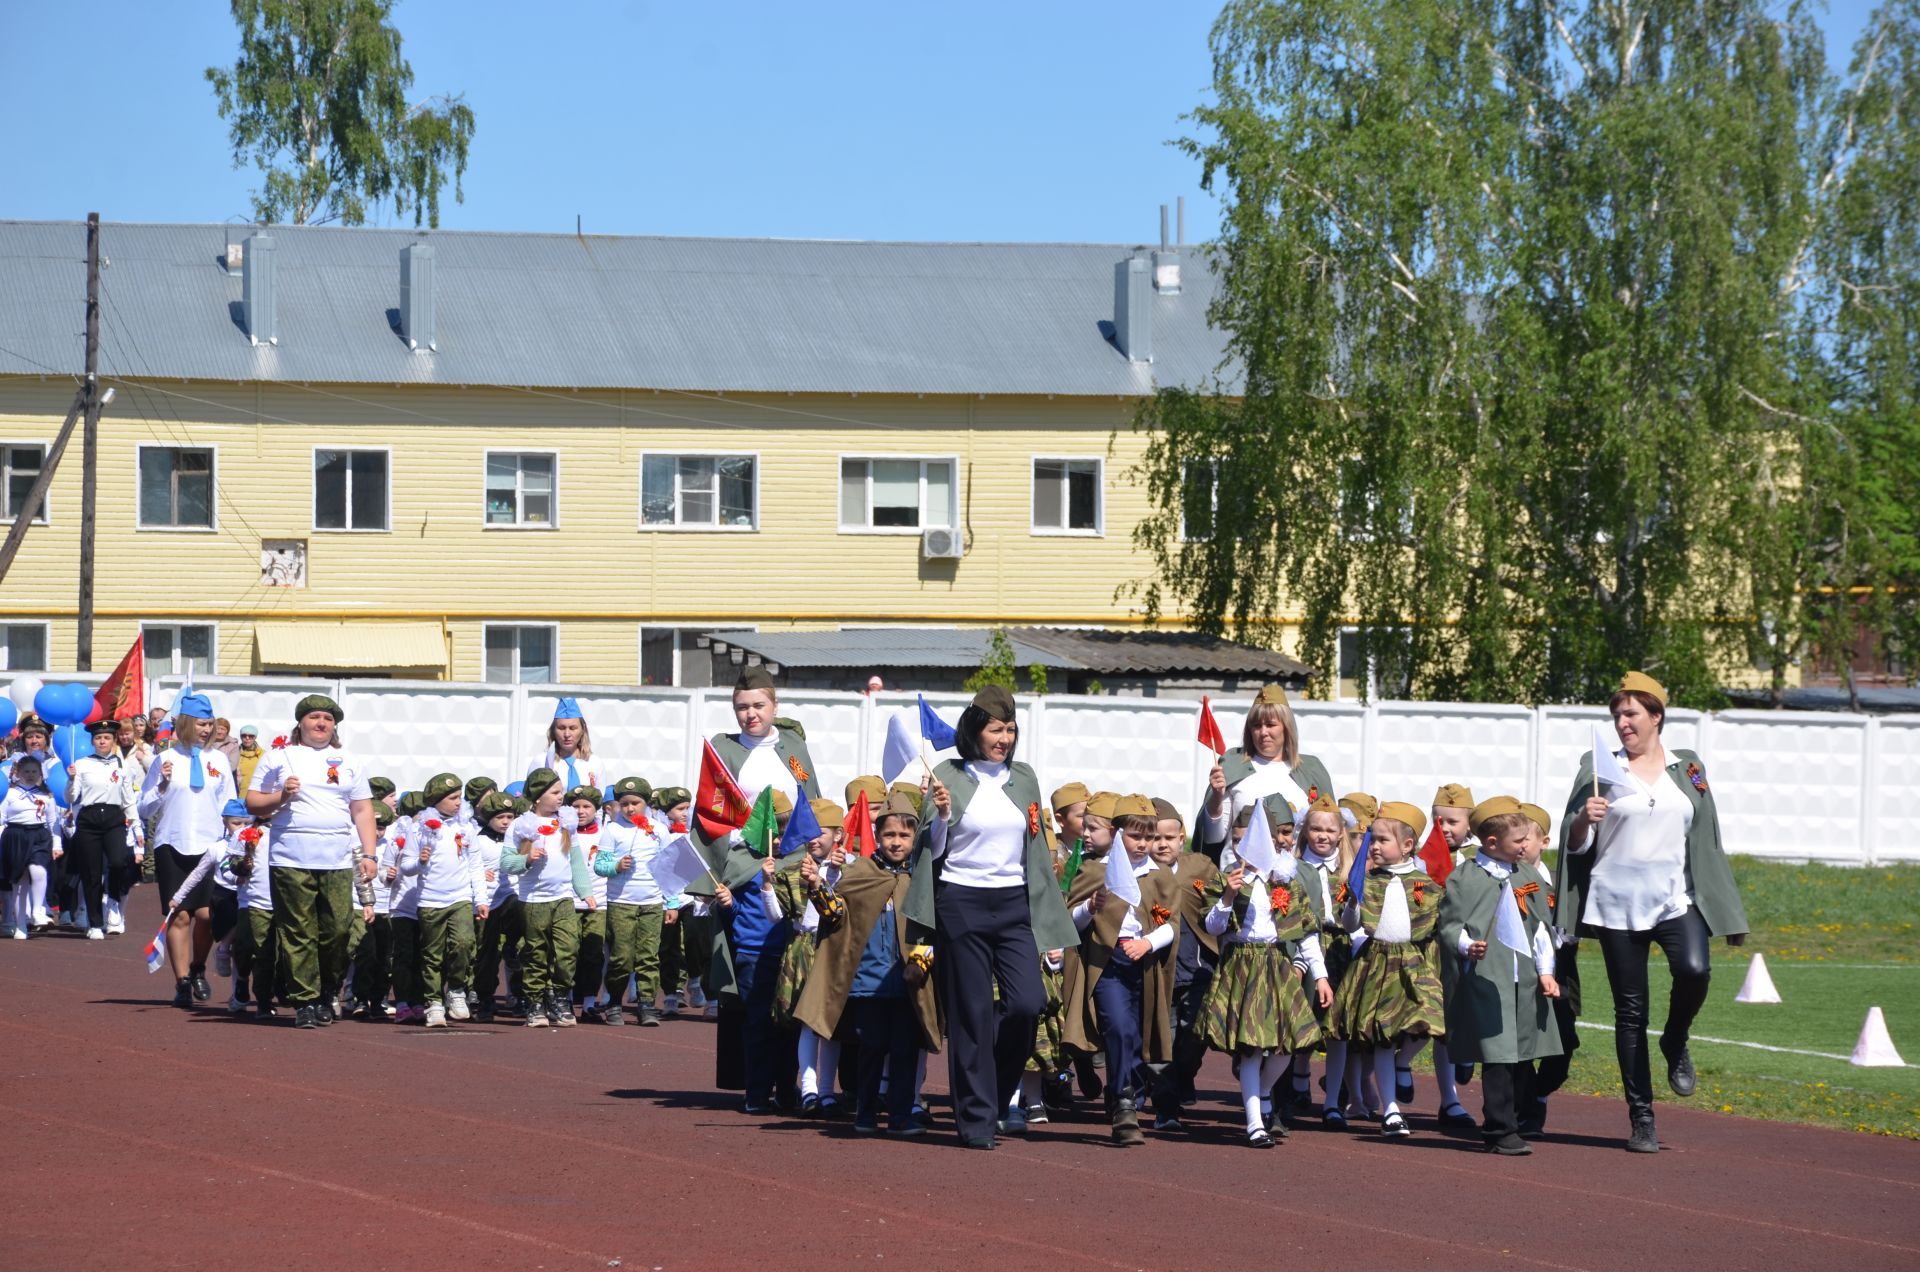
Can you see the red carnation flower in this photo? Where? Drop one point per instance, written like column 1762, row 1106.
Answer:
column 280, row 741
column 251, row 835
column 433, row 823
column 548, row 829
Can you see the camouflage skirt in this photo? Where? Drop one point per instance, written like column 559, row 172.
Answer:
column 1391, row 991
column 1258, row 1002
column 1049, row 1046
column 794, row 966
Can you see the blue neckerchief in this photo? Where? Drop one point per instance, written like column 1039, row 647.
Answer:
column 197, row 777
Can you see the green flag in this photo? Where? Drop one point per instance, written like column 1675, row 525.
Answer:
column 761, row 829
column 1073, row 866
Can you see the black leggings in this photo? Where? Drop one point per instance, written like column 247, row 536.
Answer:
column 1684, row 941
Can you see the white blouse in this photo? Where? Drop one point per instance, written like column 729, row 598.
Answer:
column 1639, row 875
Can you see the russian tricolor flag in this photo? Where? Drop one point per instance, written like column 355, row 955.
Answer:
column 156, row 950
column 914, row 735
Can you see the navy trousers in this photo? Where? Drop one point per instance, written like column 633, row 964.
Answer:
column 984, row 937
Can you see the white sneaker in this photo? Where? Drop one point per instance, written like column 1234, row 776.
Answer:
column 19, row 934
column 95, row 934
column 223, row 959
column 456, row 1006
column 116, row 926
column 436, row 1016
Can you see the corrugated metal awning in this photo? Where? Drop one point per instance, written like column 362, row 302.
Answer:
column 348, row 646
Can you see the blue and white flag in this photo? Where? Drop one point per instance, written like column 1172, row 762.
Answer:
column 913, row 736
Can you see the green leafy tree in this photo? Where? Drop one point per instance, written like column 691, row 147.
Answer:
column 998, row 668
column 1521, row 381
column 318, row 101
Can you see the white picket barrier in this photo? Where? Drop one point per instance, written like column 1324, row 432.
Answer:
column 1818, row 785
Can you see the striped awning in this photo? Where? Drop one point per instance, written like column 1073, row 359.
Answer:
column 349, row 646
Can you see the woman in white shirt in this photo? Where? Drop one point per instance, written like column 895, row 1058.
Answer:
column 318, row 795
column 1641, row 864
column 985, row 888
column 101, row 798
column 183, row 792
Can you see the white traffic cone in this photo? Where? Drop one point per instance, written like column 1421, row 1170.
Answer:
column 1875, row 1049
column 1758, row 987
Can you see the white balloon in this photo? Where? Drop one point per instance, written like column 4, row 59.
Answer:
column 23, row 690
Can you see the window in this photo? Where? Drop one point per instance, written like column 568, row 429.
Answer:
column 698, row 492
column 525, row 654
column 19, row 469
column 522, row 489
column 1199, row 500
column 172, row 649
column 1066, row 496
column 349, row 490
column 896, row 494
column 176, row 488
column 23, row 647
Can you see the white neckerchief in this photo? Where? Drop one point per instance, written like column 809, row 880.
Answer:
column 1396, row 918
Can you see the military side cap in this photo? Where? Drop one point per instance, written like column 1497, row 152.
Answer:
column 1491, row 807
column 754, row 678
column 782, row 803
column 829, row 814
column 1069, row 795
column 1406, row 814
column 1539, row 817
column 996, row 702
column 1271, row 696
column 1641, row 682
column 907, row 791
column 1165, row 811
column 1103, row 804
column 1453, row 795
column 899, row 805
column 1325, row 804
column 318, row 702
column 1134, row 806
column 1363, row 806
column 439, row 786
column 874, row 788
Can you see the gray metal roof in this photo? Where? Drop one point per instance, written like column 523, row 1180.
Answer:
column 862, row 648
column 1161, row 652
column 560, row 310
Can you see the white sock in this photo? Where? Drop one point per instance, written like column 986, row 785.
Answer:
column 828, row 1064
column 1383, row 1074
column 1442, row 1074
column 1336, row 1073
column 37, row 891
column 809, row 1061
column 1250, row 1094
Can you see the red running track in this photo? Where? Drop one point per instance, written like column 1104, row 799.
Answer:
column 143, row 1137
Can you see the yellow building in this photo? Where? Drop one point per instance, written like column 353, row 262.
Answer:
column 545, row 457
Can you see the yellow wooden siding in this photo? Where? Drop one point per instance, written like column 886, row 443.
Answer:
column 439, row 562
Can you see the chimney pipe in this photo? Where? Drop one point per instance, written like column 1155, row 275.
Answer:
column 257, row 290
column 1181, row 203
column 1163, row 227
column 1133, row 309
column 416, row 296
column 1166, row 261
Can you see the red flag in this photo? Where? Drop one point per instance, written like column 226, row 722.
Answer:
column 1435, row 857
column 1210, row 730
column 720, row 805
column 860, row 827
column 124, row 694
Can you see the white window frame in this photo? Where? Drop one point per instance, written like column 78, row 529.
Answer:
column 173, row 669
column 388, row 510
column 1213, row 496
column 866, row 457
column 640, row 646
column 705, row 527
column 213, row 489
column 46, row 641
column 519, row 504
column 487, row 627
column 1099, row 529
column 6, row 474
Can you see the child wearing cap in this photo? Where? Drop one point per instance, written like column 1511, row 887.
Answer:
column 1391, row 1000
column 30, row 839
column 400, row 868
column 453, row 893
column 756, row 936
column 1550, row 1074
column 1492, row 918
column 1452, row 810
column 256, row 949
column 1196, row 952
column 686, row 929
column 1258, row 1009
column 590, row 961
column 628, row 843
column 500, row 934
column 869, row 975
column 550, row 875
column 225, row 866
column 818, row 1058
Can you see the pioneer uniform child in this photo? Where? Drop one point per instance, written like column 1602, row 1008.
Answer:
column 628, row 843
column 1498, row 1014
column 1319, row 879
column 1196, row 955
column 1551, row 1072
column 453, row 893
column 1390, row 1000
column 550, row 875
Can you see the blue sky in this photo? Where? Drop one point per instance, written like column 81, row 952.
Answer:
column 1041, row 121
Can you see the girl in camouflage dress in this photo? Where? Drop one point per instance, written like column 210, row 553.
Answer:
column 1324, row 833
column 1390, row 999
column 819, row 1058
column 1257, row 1008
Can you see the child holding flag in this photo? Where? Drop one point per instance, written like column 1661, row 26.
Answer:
column 819, row 1058
column 757, row 936
column 1319, row 879
column 1390, row 1000
column 1498, row 1011
column 1195, row 960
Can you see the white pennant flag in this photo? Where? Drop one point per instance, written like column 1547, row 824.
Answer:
column 1508, row 927
column 1256, row 850
column 1607, row 769
column 1120, row 878
column 677, row 864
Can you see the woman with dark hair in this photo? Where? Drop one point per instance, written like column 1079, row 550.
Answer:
column 1641, row 864
column 1267, row 762
column 984, row 887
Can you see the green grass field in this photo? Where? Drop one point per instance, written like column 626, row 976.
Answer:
column 1837, row 941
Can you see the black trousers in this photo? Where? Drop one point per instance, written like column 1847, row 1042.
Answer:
column 500, row 941
column 1551, row 1073
column 1684, row 941
column 983, row 938
column 1504, row 1089
column 94, row 828
column 373, row 964
column 889, row 1034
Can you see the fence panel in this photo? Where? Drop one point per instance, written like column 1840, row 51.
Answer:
column 1893, row 791
column 1131, row 745
column 411, row 729
column 634, row 732
column 1418, row 746
column 1788, row 784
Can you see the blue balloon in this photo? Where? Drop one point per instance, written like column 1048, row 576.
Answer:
column 9, row 716
column 516, row 788
column 66, row 744
column 50, row 704
column 79, row 703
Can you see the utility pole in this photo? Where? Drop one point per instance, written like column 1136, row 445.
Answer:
column 89, row 449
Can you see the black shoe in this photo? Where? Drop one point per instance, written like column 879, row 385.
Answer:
column 483, row 1015
column 1333, row 1120
column 1403, row 1086
column 323, row 1012
column 1680, row 1075
column 1509, row 1146
column 1395, row 1127
column 303, row 1016
column 912, row 1130
column 1458, row 1120
column 1643, row 1140
column 1057, row 1092
column 757, row 1110
column 183, row 992
column 1277, row 1125
column 264, row 1012
column 1258, row 1138
column 1013, row 1123
column 1462, row 1074
column 201, row 990
column 1126, row 1125
column 809, row 1106
column 984, row 1143
column 829, row 1107
column 866, row 1128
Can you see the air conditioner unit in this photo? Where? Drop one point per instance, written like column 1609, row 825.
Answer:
column 943, row 545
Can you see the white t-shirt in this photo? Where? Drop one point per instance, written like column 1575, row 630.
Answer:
column 316, row 830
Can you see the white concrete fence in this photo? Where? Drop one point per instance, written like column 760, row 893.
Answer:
column 1812, row 785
